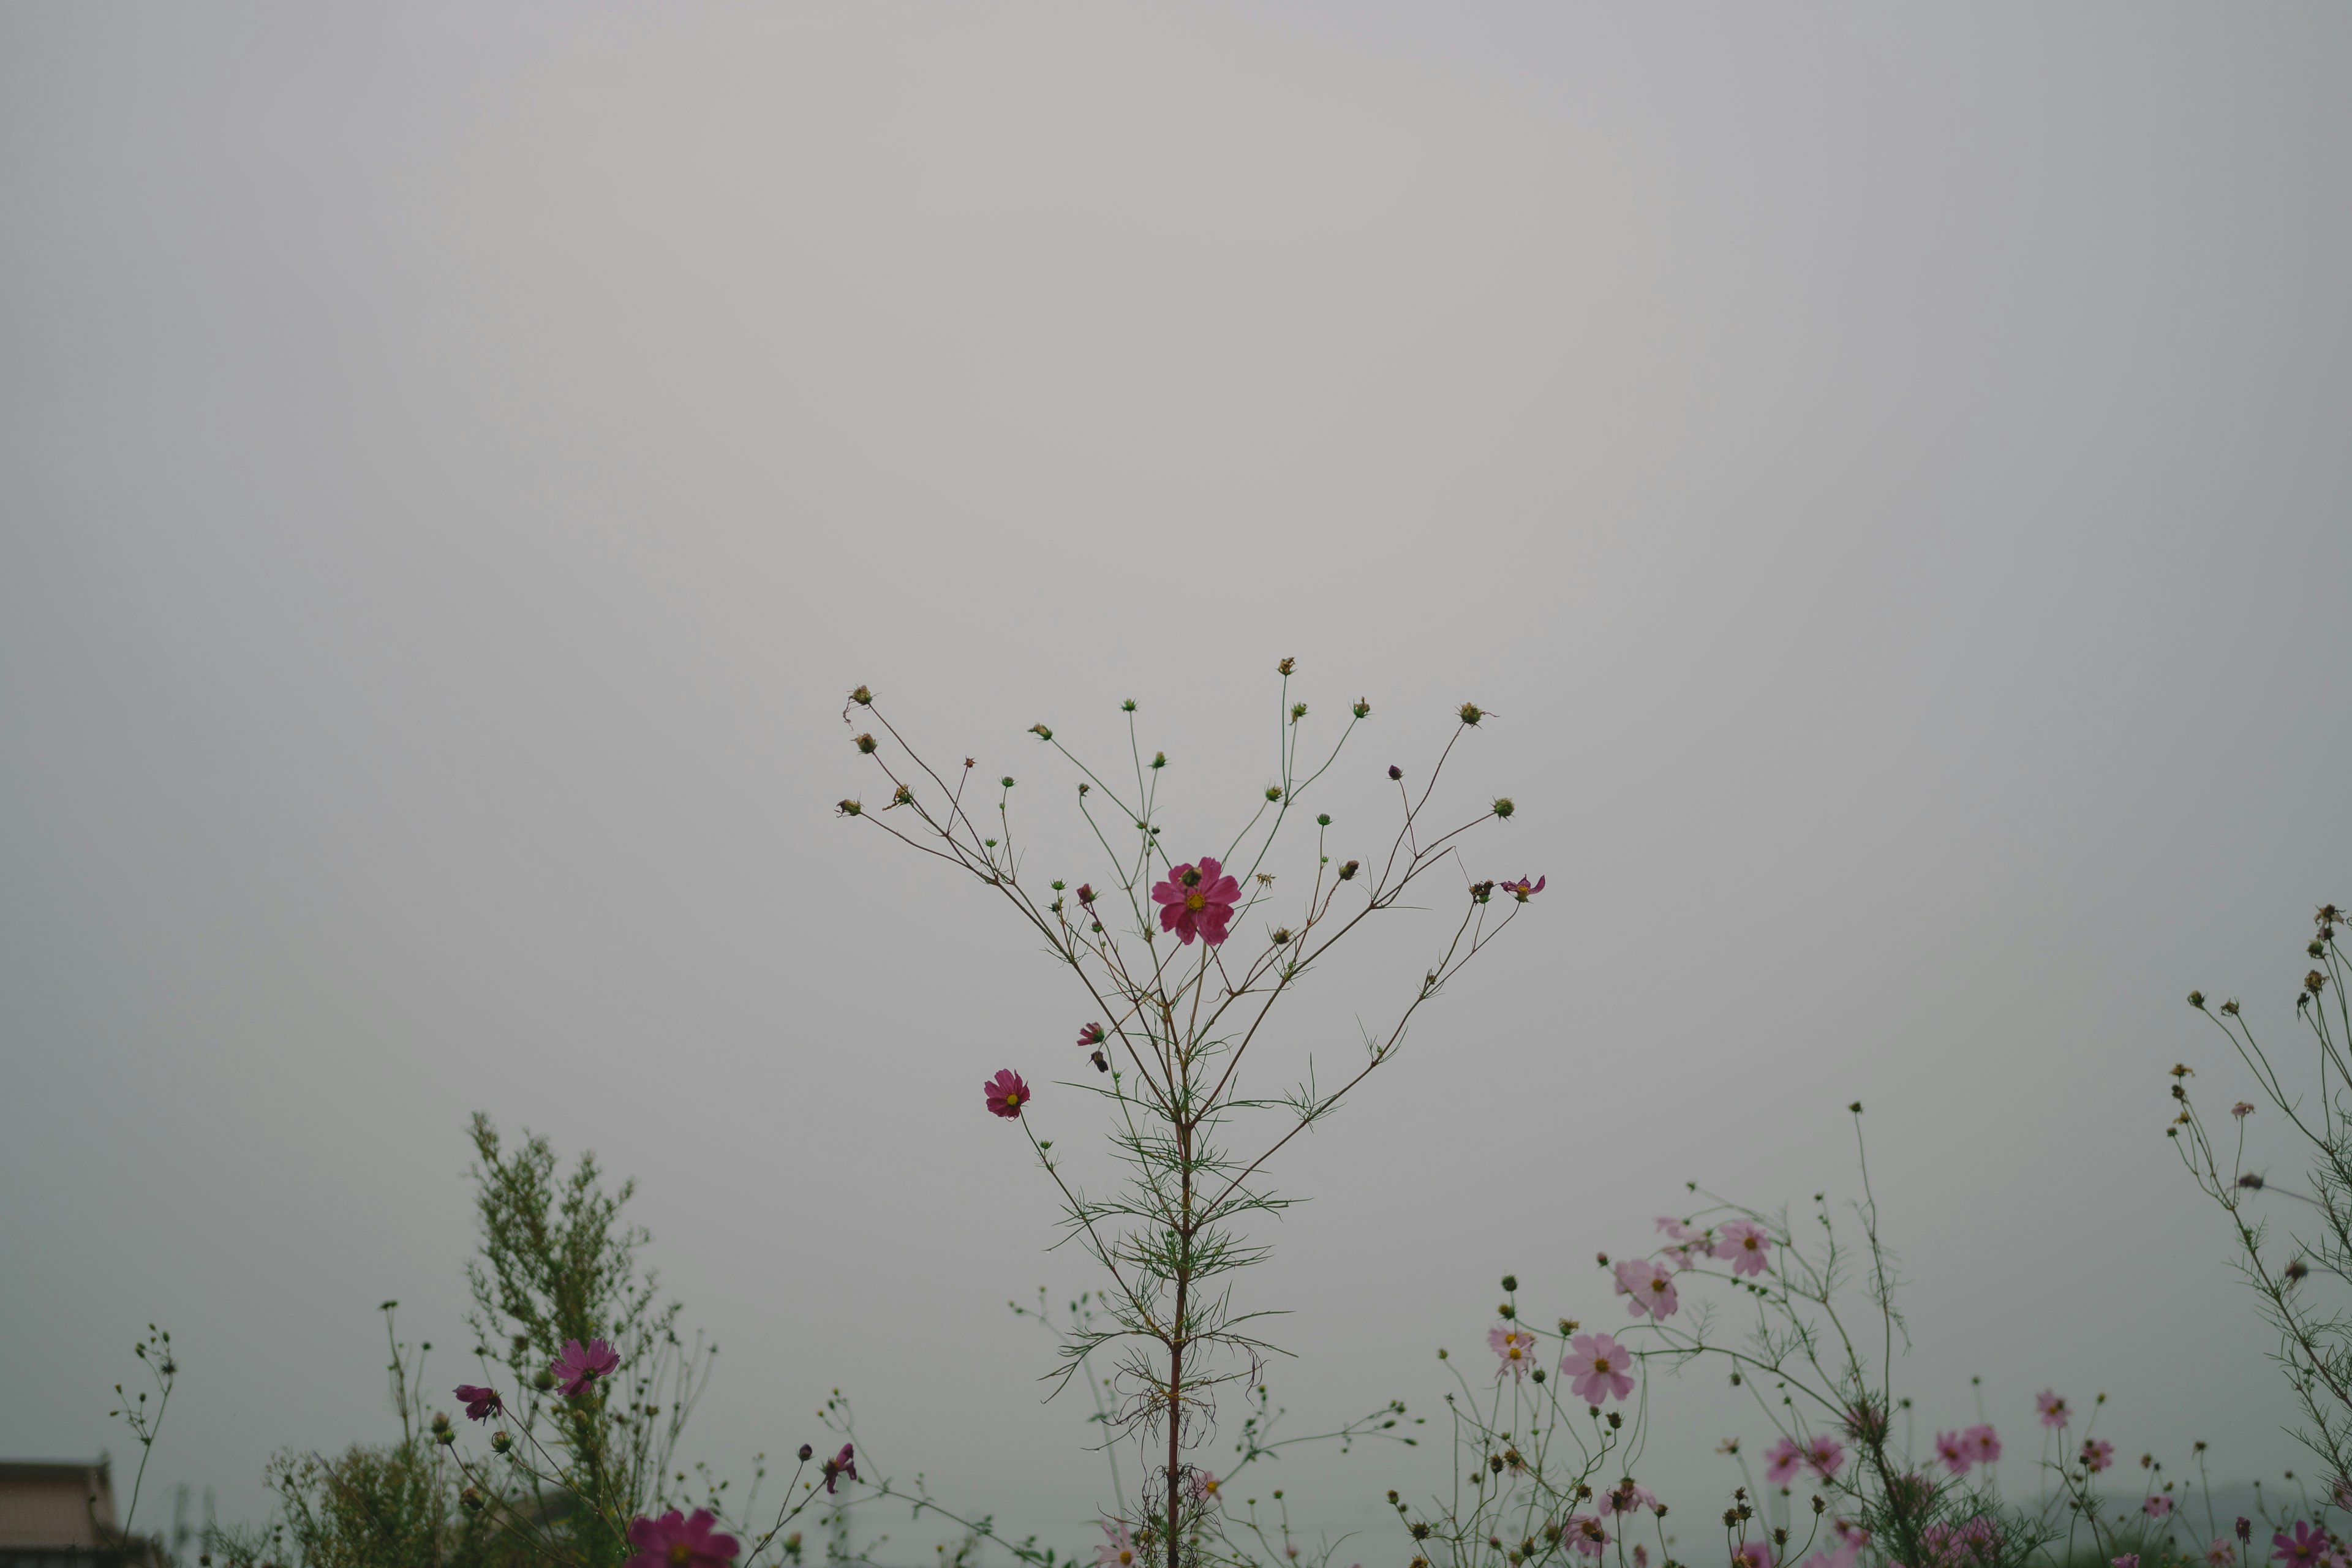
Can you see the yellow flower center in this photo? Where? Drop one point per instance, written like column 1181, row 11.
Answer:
column 1196, row 902
column 1010, row 1098
column 1600, row 1363
column 681, row 1553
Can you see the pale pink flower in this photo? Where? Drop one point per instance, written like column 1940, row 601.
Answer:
column 2128, row 1560
column 1118, row 1550
column 1781, row 1459
column 2220, row 1555
column 1516, row 1346
column 2158, row 1507
column 2054, row 1408
column 1641, row 1555
column 1954, row 1453
column 1587, row 1535
column 1627, row 1498
column 1651, row 1286
column 580, row 1365
column 1669, row 1225
column 2098, row 1456
column 1596, row 1367
column 1746, row 1244
column 2242, row 1109
column 1843, row 1555
column 1826, row 1455
column 1752, row 1555
column 1982, row 1445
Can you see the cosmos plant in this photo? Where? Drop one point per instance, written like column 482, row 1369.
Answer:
column 1179, row 952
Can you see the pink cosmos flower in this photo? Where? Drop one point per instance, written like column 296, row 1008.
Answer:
column 1746, row 1244
column 1971, row 1543
column 1781, row 1459
column 1752, row 1555
column 1850, row 1533
column 1626, row 1498
column 1202, row 1486
column 1954, row 1453
column 1587, row 1534
column 678, row 1540
column 2220, row 1555
column 1641, row 1555
column 1197, row 901
column 1826, row 1455
column 1516, row 1346
column 480, row 1404
column 1668, row 1225
column 2242, row 1109
column 1092, row 1035
column 1596, row 1367
column 2053, row 1409
column 2098, row 1456
column 1651, row 1286
column 1119, row 1552
column 841, row 1464
column 1006, row 1093
column 1523, row 890
column 1843, row 1555
column 2159, row 1506
column 2128, row 1560
column 581, row 1365
column 1982, row 1445
column 2301, row 1549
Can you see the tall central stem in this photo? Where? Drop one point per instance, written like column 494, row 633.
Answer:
column 1177, row 1333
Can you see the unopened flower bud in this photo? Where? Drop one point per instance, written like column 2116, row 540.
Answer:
column 1323, row 820
column 1615, row 1421
column 1273, row 792
column 500, row 1442
column 1507, row 1311
column 807, row 1453
column 1502, row 806
column 1364, row 708
column 1471, row 712
column 867, row 743
column 1042, row 732
column 862, row 696
column 1347, row 872
column 1007, row 781
column 1298, row 711
column 1537, row 1374
column 1158, row 759
column 1602, row 1258
column 1510, row 1281
column 2197, row 999
column 1395, row 771
column 2317, row 949
column 470, row 1499
column 543, row 1380
column 1127, row 706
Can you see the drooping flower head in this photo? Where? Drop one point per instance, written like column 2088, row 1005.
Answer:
column 2098, row 1456
column 1587, row 1534
column 1748, row 1246
column 2301, row 1549
column 1781, row 1459
column 1118, row 1550
column 1751, row 1554
column 2242, row 1109
column 1006, row 1093
column 1197, row 901
column 1627, row 1498
column 841, row 1464
column 2158, row 1507
column 1090, row 1035
column 1982, row 1445
column 1516, row 1346
column 1954, row 1453
column 2053, row 1409
column 1596, row 1366
column 1650, row 1284
column 581, row 1365
column 1825, row 1456
column 680, row 1541
column 1523, row 890
column 480, row 1402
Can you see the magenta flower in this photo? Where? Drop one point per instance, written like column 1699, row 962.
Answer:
column 1954, row 1453
column 2242, row 1109
column 676, row 1540
column 1596, row 1367
column 2098, row 1456
column 1587, row 1535
column 2159, row 1506
column 1516, row 1346
column 1746, row 1244
column 1523, row 890
column 1982, row 1445
column 841, row 1464
column 2053, row 1409
column 1650, row 1285
column 1197, row 901
column 1006, row 1093
column 480, row 1402
column 581, row 1365
column 1752, row 1555
column 1091, row 1035
column 1780, row 1461
column 1826, row 1455
column 1119, row 1552
column 1087, row 894
column 2301, row 1549
column 2128, row 1560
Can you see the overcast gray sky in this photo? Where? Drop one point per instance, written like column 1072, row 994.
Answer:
column 1887, row 469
